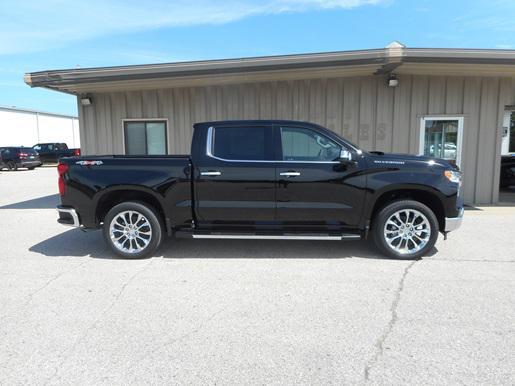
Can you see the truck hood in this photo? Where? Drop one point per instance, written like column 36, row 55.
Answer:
column 401, row 159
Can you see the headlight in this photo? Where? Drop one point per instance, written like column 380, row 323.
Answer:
column 453, row 176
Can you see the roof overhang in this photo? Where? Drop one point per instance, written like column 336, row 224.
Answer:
column 396, row 59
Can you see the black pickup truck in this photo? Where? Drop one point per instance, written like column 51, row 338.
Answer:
column 263, row 180
column 51, row 152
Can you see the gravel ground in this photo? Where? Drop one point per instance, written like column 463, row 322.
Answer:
column 249, row 312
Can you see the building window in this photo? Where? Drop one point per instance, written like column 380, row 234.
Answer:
column 440, row 137
column 145, row 137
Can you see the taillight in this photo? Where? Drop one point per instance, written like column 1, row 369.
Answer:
column 61, row 170
column 76, row 152
column 22, row 155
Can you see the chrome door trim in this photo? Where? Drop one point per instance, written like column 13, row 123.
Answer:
column 209, row 153
column 290, row 174
column 211, row 173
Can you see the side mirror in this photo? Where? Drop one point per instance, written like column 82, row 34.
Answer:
column 346, row 156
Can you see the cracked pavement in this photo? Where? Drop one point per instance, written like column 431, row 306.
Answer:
column 249, row 312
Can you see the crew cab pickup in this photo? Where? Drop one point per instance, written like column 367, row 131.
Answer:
column 263, row 180
column 51, row 152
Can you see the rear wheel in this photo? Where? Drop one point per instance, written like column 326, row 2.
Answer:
column 32, row 168
column 132, row 230
column 405, row 229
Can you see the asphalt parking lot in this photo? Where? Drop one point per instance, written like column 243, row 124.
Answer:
column 249, row 312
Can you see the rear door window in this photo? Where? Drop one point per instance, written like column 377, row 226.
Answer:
column 247, row 143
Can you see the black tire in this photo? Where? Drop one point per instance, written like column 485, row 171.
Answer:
column 378, row 230
column 32, row 168
column 11, row 165
column 155, row 227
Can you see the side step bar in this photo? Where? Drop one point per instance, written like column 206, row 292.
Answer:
column 349, row 236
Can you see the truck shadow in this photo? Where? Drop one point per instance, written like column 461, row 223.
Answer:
column 45, row 202
column 76, row 243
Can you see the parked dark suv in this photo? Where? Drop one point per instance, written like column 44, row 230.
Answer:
column 19, row 157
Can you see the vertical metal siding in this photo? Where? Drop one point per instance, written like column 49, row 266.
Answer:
column 362, row 109
column 471, row 103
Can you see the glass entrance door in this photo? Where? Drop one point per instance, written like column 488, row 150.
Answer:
column 508, row 135
column 440, row 137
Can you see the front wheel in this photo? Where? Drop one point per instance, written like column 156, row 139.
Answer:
column 132, row 230
column 11, row 165
column 405, row 229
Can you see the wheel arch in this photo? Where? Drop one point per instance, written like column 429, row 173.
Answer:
column 114, row 196
column 429, row 197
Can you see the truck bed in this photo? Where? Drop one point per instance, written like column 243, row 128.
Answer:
column 93, row 179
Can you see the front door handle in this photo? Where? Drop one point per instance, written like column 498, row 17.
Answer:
column 211, row 174
column 290, row 174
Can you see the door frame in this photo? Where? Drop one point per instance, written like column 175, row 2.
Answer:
column 459, row 118
column 505, row 142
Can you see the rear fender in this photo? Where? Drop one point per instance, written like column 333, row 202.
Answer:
column 113, row 195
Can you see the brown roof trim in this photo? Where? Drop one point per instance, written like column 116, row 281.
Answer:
column 383, row 58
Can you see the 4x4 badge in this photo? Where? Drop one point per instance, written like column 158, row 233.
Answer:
column 89, row 163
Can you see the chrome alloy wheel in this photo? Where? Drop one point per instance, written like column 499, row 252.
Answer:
column 407, row 231
column 130, row 231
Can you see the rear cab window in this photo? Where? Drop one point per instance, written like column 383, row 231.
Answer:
column 29, row 150
column 25, row 150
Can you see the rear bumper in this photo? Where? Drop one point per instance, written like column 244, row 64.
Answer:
column 68, row 216
column 29, row 164
column 453, row 223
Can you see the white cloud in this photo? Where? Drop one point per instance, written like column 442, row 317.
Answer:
column 34, row 25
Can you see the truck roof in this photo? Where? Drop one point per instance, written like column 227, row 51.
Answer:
column 255, row 122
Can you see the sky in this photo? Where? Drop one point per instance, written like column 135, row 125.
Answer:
column 38, row 35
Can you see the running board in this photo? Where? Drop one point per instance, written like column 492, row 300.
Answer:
column 277, row 237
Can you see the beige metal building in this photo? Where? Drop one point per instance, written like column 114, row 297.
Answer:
column 448, row 103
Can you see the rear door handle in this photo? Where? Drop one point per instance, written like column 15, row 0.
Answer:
column 290, row 174
column 211, row 174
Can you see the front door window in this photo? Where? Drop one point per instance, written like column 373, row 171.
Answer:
column 440, row 137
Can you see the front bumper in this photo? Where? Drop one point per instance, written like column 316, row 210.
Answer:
column 453, row 223
column 68, row 216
